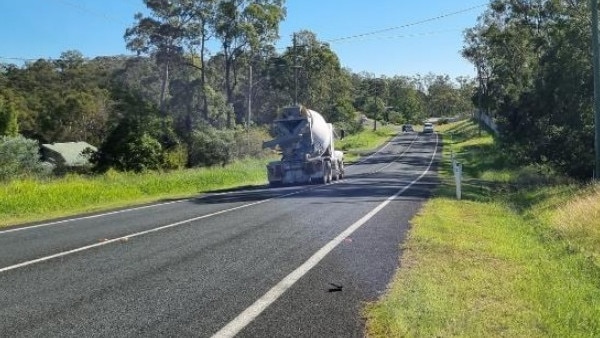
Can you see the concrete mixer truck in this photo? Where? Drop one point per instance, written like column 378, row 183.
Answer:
column 307, row 149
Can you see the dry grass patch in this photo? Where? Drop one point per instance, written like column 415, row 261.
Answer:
column 578, row 221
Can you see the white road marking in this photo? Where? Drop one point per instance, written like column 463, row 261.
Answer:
column 88, row 217
column 382, row 148
column 145, row 232
column 397, row 156
column 247, row 316
column 69, row 220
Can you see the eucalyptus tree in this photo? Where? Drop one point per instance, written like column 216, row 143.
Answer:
column 8, row 114
column 161, row 35
column 536, row 75
column 405, row 99
column 443, row 97
column 198, row 33
column 244, row 26
column 371, row 96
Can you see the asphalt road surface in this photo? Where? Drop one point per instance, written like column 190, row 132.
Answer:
column 281, row 262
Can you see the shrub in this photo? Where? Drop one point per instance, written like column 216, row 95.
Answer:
column 132, row 153
column 141, row 154
column 210, row 146
column 396, row 118
column 176, row 157
column 349, row 127
column 19, row 157
column 248, row 143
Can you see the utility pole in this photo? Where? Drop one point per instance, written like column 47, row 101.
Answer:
column 295, row 46
column 596, row 63
column 376, row 108
column 479, row 99
column 249, row 97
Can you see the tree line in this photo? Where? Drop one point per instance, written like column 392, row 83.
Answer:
column 535, row 72
column 178, row 103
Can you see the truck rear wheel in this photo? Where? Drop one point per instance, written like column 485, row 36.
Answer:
column 336, row 172
column 327, row 172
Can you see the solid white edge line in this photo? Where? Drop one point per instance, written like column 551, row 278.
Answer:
column 126, row 237
column 89, row 217
column 247, row 316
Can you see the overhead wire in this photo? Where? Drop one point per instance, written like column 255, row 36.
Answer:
column 411, row 35
column 439, row 17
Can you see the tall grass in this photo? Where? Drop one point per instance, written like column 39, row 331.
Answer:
column 516, row 257
column 29, row 199
column 578, row 222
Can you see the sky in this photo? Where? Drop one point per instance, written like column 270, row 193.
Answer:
column 380, row 37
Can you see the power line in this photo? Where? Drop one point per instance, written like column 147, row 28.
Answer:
column 408, row 35
column 439, row 17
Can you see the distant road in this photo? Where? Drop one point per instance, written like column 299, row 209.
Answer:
column 284, row 262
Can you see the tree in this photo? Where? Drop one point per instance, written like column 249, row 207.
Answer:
column 161, row 36
column 537, row 78
column 138, row 140
column 241, row 26
column 8, row 115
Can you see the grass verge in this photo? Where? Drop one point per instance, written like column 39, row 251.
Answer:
column 517, row 256
column 363, row 143
column 31, row 200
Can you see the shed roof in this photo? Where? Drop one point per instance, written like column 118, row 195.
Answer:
column 71, row 152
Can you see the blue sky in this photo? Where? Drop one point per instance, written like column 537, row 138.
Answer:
column 32, row 29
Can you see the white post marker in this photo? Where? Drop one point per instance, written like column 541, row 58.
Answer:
column 458, row 178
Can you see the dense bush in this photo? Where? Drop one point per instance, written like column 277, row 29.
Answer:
column 133, row 153
column 210, row 146
column 19, row 157
column 396, row 118
column 349, row 127
column 248, row 143
column 141, row 154
column 176, row 157
column 141, row 139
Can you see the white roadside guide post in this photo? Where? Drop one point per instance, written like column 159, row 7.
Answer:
column 457, row 168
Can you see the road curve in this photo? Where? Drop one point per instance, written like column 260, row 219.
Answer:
column 291, row 261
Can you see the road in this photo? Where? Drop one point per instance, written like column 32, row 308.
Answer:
column 285, row 262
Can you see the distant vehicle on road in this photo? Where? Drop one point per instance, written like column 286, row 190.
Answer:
column 407, row 128
column 428, row 127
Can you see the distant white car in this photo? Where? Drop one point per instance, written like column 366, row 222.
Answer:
column 428, row 127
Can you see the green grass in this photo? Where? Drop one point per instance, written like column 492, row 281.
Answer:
column 31, row 200
column 361, row 144
column 503, row 261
